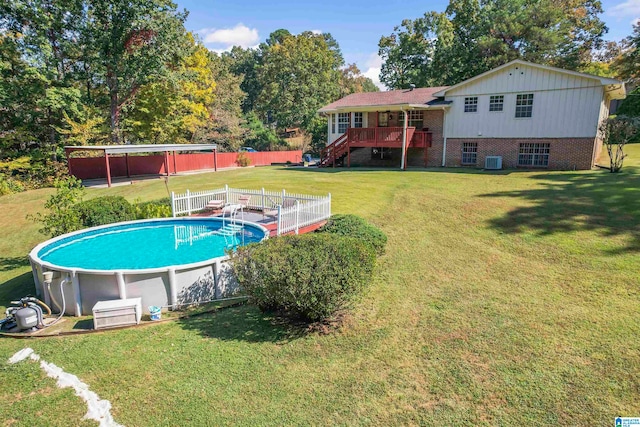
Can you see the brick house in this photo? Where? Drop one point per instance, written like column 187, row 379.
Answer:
column 528, row 115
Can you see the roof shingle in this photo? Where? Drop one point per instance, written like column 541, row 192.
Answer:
column 392, row 97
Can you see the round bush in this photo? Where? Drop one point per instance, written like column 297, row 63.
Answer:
column 153, row 209
column 357, row 227
column 311, row 276
column 105, row 210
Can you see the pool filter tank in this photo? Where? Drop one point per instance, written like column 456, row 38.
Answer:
column 27, row 318
column 26, row 315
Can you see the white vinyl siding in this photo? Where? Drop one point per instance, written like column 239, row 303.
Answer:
column 565, row 106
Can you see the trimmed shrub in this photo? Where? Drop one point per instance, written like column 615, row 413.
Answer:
column 357, row 227
column 243, row 160
column 310, row 277
column 105, row 210
column 154, row 209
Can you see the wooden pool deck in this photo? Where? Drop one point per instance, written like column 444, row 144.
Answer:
column 267, row 221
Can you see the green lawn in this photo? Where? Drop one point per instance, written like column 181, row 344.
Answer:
column 503, row 299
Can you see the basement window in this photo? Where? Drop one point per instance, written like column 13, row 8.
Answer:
column 533, row 154
column 471, row 104
column 469, row 153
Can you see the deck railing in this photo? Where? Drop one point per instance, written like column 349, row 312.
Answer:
column 294, row 211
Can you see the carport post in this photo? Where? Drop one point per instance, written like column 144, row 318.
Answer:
column 106, row 163
column 126, row 159
column 166, row 162
column 175, row 165
column 215, row 160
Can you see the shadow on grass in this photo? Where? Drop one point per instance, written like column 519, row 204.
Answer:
column 16, row 288
column 243, row 323
column 567, row 202
column 410, row 169
column 11, row 263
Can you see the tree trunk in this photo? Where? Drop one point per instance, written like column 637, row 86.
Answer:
column 52, row 137
column 112, row 83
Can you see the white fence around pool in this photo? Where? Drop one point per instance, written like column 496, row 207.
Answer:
column 291, row 211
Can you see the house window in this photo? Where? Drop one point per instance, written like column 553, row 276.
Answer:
column 343, row 122
column 469, row 153
column 496, row 103
column 524, row 105
column 415, row 118
column 383, row 119
column 534, row 154
column 357, row 120
column 471, row 104
column 333, row 123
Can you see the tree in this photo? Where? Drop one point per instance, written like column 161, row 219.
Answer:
column 627, row 63
column 473, row 36
column 298, row 75
column 245, row 63
column 39, row 49
column 352, row 81
column 175, row 109
column 616, row 132
column 225, row 124
column 137, row 42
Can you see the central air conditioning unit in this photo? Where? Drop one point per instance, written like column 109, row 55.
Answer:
column 115, row 313
column 493, row 162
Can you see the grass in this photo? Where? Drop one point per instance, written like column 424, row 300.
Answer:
column 503, row 299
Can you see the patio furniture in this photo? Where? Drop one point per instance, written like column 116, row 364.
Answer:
column 214, row 205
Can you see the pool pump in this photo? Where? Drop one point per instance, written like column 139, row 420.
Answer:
column 25, row 315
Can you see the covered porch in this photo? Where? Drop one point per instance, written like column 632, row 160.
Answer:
column 389, row 129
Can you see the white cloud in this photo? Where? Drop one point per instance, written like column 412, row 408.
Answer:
column 316, row 31
column 374, row 64
column 226, row 38
column 625, row 9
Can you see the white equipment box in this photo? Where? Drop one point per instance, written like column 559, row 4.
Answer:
column 118, row 312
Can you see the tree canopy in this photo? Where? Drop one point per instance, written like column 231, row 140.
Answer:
column 473, row 36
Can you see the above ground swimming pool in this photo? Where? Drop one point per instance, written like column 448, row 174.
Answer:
column 166, row 262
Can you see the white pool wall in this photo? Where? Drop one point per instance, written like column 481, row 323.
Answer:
column 166, row 287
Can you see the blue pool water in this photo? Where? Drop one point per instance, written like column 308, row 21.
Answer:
column 148, row 244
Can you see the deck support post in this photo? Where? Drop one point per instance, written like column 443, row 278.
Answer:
column 348, row 153
column 403, row 161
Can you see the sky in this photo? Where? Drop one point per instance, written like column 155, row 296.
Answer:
column 356, row 25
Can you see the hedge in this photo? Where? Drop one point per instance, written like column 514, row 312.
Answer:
column 357, row 227
column 311, row 276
